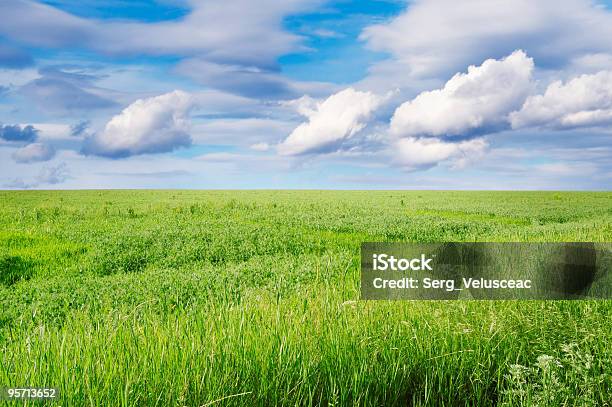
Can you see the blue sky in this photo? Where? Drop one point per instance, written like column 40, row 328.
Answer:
column 375, row 94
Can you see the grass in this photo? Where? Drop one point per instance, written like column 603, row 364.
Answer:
column 189, row 298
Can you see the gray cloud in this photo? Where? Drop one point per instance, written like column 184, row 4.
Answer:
column 53, row 174
column 233, row 31
column 232, row 45
column 251, row 81
column 18, row 133
column 62, row 91
column 48, row 175
column 14, row 58
column 80, row 128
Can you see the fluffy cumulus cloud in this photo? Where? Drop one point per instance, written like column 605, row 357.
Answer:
column 440, row 125
column 422, row 153
column 147, row 126
column 584, row 101
column 337, row 118
column 18, row 133
column 34, row 152
column 470, row 103
column 436, row 37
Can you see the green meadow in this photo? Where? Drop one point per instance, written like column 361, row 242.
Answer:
column 202, row 298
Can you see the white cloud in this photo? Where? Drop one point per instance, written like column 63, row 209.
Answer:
column 565, row 169
column 472, row 102
column 436, row 37
column 243, row 164
column 34, row 152
column 238, row 131
column 260, row 147
column 324, row 33
column 421, row 153
column 53, row 131
column 592, row 63
column 330, row 122
column 305, row 105
column 584, row 101
column 154, row 125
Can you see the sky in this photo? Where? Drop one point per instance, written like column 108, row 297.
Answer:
column 306, row 94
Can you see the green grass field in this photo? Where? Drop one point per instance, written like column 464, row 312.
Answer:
column 192, row 298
